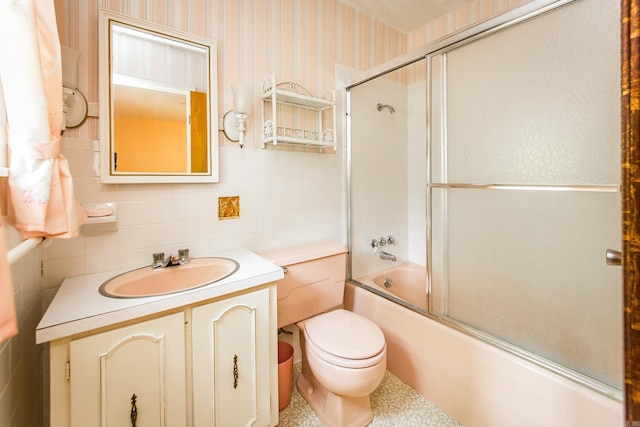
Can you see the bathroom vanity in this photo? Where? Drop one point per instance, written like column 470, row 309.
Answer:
column 203, row 357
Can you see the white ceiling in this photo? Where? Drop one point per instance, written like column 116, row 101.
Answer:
column 406, row 15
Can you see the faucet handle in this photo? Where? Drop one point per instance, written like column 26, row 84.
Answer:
column 374, row 245
column 382, row 241
column 158, row 259
column 391, row 240
column 183, row 254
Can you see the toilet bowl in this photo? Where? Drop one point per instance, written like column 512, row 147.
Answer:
column 344, row 361
column 344, row 355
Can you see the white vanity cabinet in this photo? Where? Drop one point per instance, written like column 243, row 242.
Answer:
column 231, row 345
column 146, row 359
column 209, row 363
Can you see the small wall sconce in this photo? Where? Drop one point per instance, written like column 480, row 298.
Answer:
column 75, row 107
column 234, row 120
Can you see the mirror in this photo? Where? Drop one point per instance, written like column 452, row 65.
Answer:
column 158, row 104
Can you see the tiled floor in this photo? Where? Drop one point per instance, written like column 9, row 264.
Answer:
column 394, row 404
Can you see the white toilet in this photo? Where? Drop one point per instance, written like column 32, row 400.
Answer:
column 344, row 355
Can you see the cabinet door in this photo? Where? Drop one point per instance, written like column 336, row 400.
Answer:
column 146, row 360
column 231, row 375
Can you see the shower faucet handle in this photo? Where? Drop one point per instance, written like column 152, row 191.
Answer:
column 391, row 240
column 382, row 241
column 374, row 245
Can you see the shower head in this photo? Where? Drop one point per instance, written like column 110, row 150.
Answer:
column 383, row 106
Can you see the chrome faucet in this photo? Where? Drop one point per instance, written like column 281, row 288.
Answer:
column 159, row 261
column 387, row 255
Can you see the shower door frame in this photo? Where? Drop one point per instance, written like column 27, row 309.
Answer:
column 479, row 30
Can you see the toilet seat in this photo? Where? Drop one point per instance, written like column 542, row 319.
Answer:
column 345, row 339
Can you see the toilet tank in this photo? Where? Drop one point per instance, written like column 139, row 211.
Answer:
column 313, row 281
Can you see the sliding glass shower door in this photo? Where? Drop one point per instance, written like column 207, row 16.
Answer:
column 523, row 188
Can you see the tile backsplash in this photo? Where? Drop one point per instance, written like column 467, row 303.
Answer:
column 287, row 198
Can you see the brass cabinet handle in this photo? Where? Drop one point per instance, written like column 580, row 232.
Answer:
column 235, row 371
column 134, row 410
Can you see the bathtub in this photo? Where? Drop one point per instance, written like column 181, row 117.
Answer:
column 406, row 281
column 476, row 383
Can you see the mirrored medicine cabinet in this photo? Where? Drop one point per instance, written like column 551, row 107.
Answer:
column 158, row 103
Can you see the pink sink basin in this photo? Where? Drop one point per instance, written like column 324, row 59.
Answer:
column 146, row 282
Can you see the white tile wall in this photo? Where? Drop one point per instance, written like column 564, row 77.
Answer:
column 286, row 198
column 21, row 374
column 379, row 173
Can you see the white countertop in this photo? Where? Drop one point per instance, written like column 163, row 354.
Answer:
column 79, row 307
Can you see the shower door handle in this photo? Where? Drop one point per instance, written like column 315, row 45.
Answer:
column 614, row 257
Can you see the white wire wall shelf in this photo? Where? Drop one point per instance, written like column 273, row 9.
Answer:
column 300, row 101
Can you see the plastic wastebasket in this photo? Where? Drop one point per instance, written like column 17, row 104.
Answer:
column 285, row 374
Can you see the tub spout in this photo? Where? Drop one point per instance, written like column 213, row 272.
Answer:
column 387, row 255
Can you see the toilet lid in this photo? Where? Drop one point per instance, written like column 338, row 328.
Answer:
column 346, row 335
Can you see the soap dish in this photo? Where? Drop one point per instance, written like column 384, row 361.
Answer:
column 101, row 216
column 99, row 211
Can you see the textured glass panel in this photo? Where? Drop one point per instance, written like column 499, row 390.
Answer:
column 529, row 267
column 436, row 118
column 537, row 103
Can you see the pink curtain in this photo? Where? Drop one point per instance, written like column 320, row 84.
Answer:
column 40, row 194
column 8, row 323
